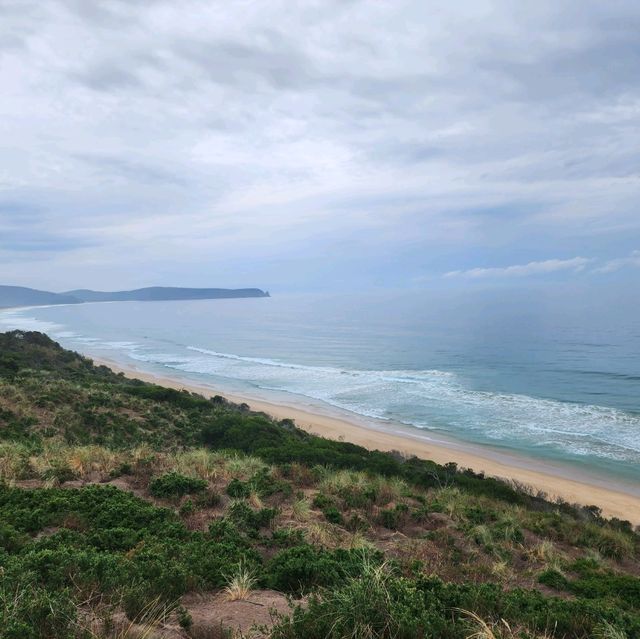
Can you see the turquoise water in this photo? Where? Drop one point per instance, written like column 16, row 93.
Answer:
column 553, row 376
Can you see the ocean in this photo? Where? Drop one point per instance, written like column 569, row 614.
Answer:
column 553, row 376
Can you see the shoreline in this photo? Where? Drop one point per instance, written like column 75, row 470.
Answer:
column 541, row 476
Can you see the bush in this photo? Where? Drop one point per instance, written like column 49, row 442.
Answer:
column 286, row 537
column 357, row 523
column 321, row 501
column 184, row 618
column 250, row 520
column 175, row 485
column 610, row 542
column 11, row 539
column 223, row 528
column 60, row 473
column 553, row 579
column 208, row 499
column 266, row 485
column 333, row 515
column 371, row 606
column 187, row 508
column 29, row 611
column 391, row 518
column 238, row 489
column 302, row 568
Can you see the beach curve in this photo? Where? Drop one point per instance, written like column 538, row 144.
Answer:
column 621, row 501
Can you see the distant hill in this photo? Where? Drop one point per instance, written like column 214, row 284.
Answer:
column 157, row 293
column 22, row 296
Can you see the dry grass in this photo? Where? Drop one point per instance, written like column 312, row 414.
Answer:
column 335, row 481
column 301, row 510
column 324, row 534
column 452, row 501
column 84, row 460
column 482, row 534
column 199, row 462
column 14, row 461
column 240, row 583
column 390, row 489
column 145, row 625
column 607, row 631
column 481, row 629
column 501, row 570
column 386, row 489
column 358, row 541
column 302, row 475
column 243, row 467
column 547, row 554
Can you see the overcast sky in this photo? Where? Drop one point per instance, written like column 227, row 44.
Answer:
column 331, row 144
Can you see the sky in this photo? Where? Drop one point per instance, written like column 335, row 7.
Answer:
column 321, row 145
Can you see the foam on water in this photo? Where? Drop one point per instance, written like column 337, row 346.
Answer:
column 17, row 319
column 421, row 397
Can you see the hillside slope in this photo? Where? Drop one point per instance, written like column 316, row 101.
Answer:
column 11, row 296
column 159, row 293
column 22, row 296
column 128, row 507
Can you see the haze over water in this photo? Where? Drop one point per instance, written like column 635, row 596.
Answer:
column 551, row 375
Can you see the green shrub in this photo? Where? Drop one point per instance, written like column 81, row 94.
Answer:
column 355, row 497
column 553, row 579
column 357, row 523
column 322, row 501
column 506, row 529
column 208, row 499
column 266, row 485
column 598, row 583
column 60, row 473
column 11, row 539
column 333, row 515
column 187, row 508
column 122, row 469
column 175, row 485
column 286, row 537
column 29, row 611
column 371, row 606
column 238, row 489
column 223, row 528
column 184, row 618
column 610, row 542
column 60, row 547
column 303, row 568
column 479, row 515
column 248, row 519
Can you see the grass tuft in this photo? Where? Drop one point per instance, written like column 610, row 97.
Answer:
column 240, row 583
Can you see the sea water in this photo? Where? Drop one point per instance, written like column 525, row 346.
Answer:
column 553, row 376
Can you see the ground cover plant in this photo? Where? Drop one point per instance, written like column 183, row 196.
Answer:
column 129, row 508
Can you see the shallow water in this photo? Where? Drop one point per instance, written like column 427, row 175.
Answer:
column 551, row 376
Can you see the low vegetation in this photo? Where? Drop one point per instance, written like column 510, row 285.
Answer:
column 122, row 501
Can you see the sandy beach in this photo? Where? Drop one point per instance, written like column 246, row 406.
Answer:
column 556, row 481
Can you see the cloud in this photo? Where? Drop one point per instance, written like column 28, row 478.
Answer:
column 575, row 264
column 612, row 266
column 179, row 135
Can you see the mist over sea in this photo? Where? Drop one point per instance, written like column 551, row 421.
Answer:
column 555, row 376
